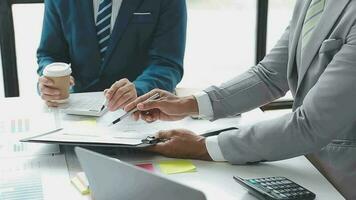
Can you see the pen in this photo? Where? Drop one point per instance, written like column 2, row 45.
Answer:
column 153, row 97
column 104, row 104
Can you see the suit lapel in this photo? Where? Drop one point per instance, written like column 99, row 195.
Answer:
column 88, row 11
column 296, row 31
column 324, row 27
column 125, row 14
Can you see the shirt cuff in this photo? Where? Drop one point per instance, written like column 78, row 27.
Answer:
column 213, row 148
column 204, row 105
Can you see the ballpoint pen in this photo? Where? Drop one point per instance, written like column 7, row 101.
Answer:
column 153, row 97
column 105, row 103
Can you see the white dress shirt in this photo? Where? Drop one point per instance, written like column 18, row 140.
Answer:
column 206, row 112
column 116, row 4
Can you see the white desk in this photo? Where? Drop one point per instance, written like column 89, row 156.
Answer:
column 215, row 179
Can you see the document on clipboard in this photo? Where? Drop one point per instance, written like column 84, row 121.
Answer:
column 60, row 136
column 93, row 131
column 88, row 133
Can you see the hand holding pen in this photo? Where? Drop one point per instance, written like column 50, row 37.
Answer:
column 120, row 94
column 133, row 110
column 168, row 107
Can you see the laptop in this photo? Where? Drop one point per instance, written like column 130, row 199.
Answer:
column 112, row 179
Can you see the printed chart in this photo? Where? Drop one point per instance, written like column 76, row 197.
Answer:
column 26, row 186
column 15, row 127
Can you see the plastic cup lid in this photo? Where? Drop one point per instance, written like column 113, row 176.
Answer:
column 57, row 69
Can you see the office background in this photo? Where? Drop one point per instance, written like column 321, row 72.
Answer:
column 224, row 38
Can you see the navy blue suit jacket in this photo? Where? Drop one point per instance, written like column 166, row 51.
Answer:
column 146, row 49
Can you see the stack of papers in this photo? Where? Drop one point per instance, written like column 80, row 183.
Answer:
column 25, row 123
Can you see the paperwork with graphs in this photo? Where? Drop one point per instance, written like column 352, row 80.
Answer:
column 23, row 121
column 34, row 177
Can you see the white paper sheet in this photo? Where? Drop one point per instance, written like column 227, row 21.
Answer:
column 41, row 177
column 26, row 122
column 86, row 104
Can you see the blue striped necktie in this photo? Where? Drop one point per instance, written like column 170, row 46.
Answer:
column 103, row 25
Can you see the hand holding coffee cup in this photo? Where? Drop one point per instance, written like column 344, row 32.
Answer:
column 55, row 83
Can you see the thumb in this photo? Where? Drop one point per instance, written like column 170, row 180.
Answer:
column 72, row 81
column 157, row 148
column 145, row 106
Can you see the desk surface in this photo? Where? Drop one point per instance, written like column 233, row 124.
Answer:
column 215, row 179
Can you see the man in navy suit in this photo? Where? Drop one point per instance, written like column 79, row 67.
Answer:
column 129, row 46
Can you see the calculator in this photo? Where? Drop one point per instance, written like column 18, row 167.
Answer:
column 272, row 188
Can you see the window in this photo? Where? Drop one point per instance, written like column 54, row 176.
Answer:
column 28, row 26
column 220, row 41
column 276, row 23
column 2, row 95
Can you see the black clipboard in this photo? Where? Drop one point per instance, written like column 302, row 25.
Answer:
column 145, row 142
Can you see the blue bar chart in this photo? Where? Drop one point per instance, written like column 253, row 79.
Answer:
column 20, row 125
column 28, row 186
column 15, row 126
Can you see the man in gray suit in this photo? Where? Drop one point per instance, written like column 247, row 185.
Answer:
column 316, row 60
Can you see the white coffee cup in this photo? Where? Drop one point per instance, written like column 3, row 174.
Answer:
column 59, row 73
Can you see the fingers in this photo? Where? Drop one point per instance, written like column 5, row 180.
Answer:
column 105, row 92
column 150, row 116
column 140, row 99
column 167, row 148
column 136, row 116
column 159, row 148
column 72, row 81
column 154, row 104
column 52, row 104
column 45, row 81
column 50, row 97
column 47, row 92
column 120, row 94
column 118, row 84
column 181, row 143
column 167, row 134
column 126, row 98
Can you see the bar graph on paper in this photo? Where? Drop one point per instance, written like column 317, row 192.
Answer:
column 21, row 178
column 26, row 177
column 13, row 129
column 27, row 186
column 15, row 126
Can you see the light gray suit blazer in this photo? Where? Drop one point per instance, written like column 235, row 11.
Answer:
column 322, row 80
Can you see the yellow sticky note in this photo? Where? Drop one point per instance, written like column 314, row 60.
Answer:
column 88, row 122
column 84, row 190
column 177, row 166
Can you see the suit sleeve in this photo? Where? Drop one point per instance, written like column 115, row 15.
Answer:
column 166, row 53
column 327, row 111
column 261, row 84
column 53, row 46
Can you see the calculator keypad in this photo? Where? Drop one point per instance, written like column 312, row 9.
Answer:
column 281, row 188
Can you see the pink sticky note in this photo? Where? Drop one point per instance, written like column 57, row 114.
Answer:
column 146, row 166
